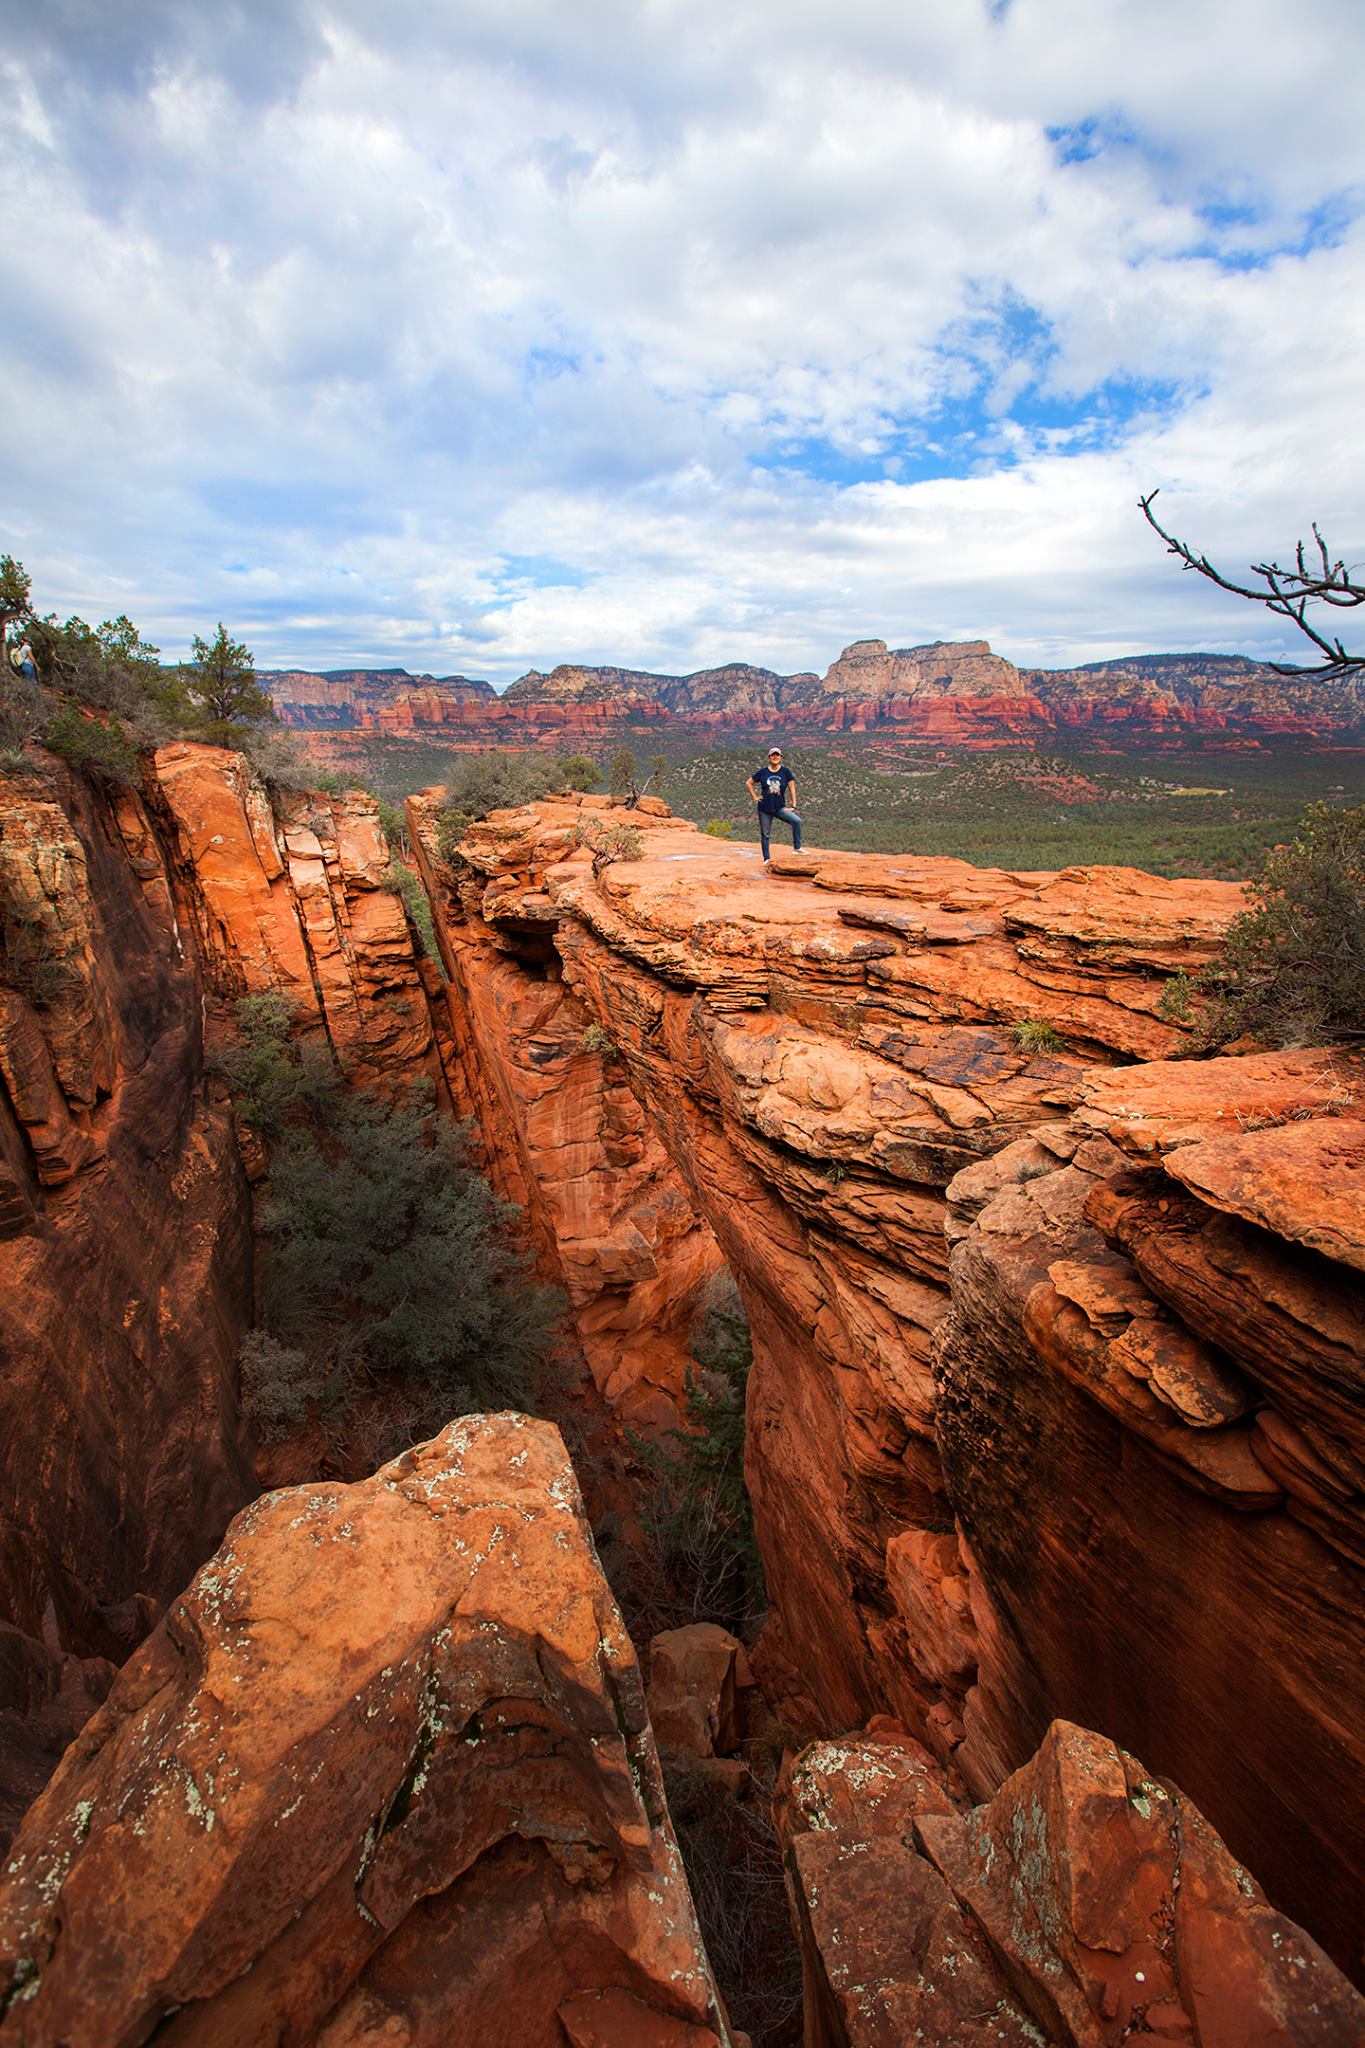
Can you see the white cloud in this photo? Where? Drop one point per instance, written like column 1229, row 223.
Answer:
column 318, row 324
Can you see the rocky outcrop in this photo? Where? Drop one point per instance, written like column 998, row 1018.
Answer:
column 565, row 1138
column 1142, row 1393
column 1087, row 1904
column 1061, row 1490
column 383, row 1774
column 955, row 693
column 288, row 895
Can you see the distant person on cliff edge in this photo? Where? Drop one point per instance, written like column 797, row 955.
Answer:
column 773, row 789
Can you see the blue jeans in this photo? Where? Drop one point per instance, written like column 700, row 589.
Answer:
column 788, row 817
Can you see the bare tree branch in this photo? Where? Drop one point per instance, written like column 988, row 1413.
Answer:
column 1287, row 592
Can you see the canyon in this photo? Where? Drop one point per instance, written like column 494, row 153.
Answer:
column 950, row 693
column 1053, row 1440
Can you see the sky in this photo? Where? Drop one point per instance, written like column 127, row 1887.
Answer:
column 476, row 338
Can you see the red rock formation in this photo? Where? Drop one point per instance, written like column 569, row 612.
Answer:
column 1078, row 1516
column 125, row 1219
column 290, row 896
column 1148, row 1412
column 1087, row 1904
column 388, row 698
column 950, row 693
column 564, row 1137
column 125, row 1252
column 698, row 1678
column 382, row 1774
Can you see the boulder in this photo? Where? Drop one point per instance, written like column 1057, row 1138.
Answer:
column 698, row 1676
column 1086, row 1904
column 383, row 1772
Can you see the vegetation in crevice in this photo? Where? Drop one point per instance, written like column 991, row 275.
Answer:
column 392, row 1296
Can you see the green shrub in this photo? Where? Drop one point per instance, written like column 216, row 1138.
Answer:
column 622, row 842
column 273, row 1080
column 388, row 1266
column 719, row 828
column 1292, row 968
column 90, row 744
column 278, row 1386
column 608, row 842
column 580, row 773
column 596, row 1040
column 274, row 753
column 24, row 712
column 402, row 882
column 393, row 823
column 697, row 1517
column 621, row 775
column 33, row 964
column 1035, row 1034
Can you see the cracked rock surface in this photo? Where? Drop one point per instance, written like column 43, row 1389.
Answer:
column 383, row 1772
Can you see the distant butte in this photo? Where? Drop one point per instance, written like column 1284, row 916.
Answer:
column 953, row 692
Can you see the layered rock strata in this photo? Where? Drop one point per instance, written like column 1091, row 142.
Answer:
column 1066, row 1497
column 1149, row 1384
column 287, row 894
column 565, row 1138
column 1087, row 1904
column 383, row 1774
column 948, row 692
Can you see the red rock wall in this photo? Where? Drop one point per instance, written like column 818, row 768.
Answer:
column 130, row 922
column 125, row 1257
column 289, row 896
column 1054, row 1502
column 564, row 1136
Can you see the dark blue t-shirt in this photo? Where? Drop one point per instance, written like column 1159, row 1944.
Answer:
column 773, row 784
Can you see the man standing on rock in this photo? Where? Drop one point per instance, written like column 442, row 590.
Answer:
column 773, row 789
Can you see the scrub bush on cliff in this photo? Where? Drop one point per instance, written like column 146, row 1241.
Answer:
column 274, row 1080
column 389, row 1267
column 1292, row 969
column 701, row 1561
column 500, row 781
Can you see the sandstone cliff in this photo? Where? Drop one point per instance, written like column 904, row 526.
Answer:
column 563, row 1136
column 125, row 1259
column 384, row 697
column 129, row 920
column 1061, row 1490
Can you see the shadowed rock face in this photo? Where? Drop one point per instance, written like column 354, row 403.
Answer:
column 1087, row 1904
column 129, row 922
column 125, row 1261
column 1062, row 1487
column 382, row 1773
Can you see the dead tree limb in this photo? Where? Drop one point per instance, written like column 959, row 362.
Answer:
column 1286, row 592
